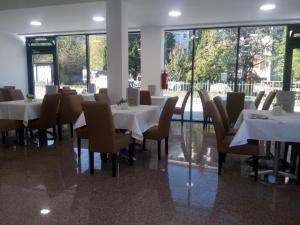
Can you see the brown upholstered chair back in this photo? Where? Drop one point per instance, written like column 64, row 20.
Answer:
column 67, row 91
column 6, row 94
column 166, row 116
column 74, row 102
column 103, row 91
column 10, row 87
column 64, row 108
column 186, row 97
column 16, row 94
column 258, row 98
column 269, row 100
column 102, row 98
column 204, row 98
column 222, row 110
column 49, row 110
column 234, row 105
column 217, row 122
column 100, row 125
column 145, row 97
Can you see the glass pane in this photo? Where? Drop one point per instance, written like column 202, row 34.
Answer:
column 98, row 60
column 215, row 62
column 261, row 60
column 71, row 52
column 134, row 60
column 178, row 65
column 42, row 73
column 296, row 77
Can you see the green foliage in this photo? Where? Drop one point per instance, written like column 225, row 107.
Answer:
column 134, row 55
column 179, row 66
column 169, row 45
column 215, row 54
column 296, row 65
column 98, row 59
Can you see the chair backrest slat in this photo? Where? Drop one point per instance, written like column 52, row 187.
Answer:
column 166, row 116
column 269, row 100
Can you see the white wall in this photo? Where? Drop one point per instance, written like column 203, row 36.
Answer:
column 152, row 57
column 13, row 66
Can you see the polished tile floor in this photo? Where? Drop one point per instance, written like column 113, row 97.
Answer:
column 50, row 185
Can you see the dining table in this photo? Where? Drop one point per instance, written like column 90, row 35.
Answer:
column 88, row 97
column 265, row 126
column 23, row 110
column 159, row 100
column 136, row 119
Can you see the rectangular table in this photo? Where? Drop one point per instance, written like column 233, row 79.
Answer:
column 137, row 119
column 283, row 128
column 23, row 110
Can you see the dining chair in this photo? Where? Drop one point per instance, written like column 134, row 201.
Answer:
column 161, row 131
column 103, row 91
column 268, row 101
column 65, row 114
column 224, row 115
column 8, row 125
column 258, row 98
column 102, row 98
column 234, row 105
column 102, row 135
column 6, row 94
column 286, row 99
column 48, row 117
column 16, row 94
column 67, row 91
column 145, row 97
column 223, row 142
column 180, row 110
column 204, row 98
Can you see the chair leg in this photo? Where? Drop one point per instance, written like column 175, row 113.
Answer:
column 114, row 164
column 21, row 136
column 224, row 157
column 167, row 145
column 103, row 157
column 3, row 137
column 54, row 134
column 298, row 174
column 131, row 154
column 91, row 160
column 60, row 132
column 182, row 119
column 158, row 149
column 78, row 147
column 220, row 160
column 255, row 167
column 42, row 137
column 71, row 130
column 144, row 144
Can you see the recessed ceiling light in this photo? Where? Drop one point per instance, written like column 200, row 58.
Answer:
column 98, row 18
column 45, row 211
column 35, row 23
column 175, row 13
column 267, row 7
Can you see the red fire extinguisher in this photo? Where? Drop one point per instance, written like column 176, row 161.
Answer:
column 164, row 80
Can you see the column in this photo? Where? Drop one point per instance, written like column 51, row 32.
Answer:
column 152, row 45
column 117, row 48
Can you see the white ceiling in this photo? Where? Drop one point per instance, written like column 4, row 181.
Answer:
column 78, row 17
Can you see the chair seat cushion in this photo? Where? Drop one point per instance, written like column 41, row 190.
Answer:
column 153, row 134
column 247, row 149
column 82, row 132
column 6, row 125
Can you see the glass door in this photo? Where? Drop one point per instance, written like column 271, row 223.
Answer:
column 296, row 77
column 43, row 74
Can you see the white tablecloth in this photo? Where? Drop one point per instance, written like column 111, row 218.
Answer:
column 159, row 100
column 284, row 128
column 248, row 103
column 88, row 97
column 137, row 119
column 20, row 110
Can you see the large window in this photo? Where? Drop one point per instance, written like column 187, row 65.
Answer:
column 210, row 59
column 72, row 70
column 98, row 60
column 178, row 64
column 134, row 60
